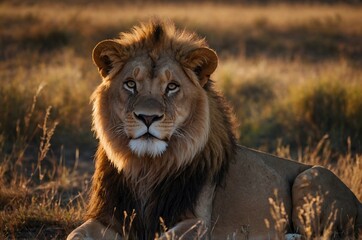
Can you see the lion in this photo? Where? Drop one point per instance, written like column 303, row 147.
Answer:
column 168, row 165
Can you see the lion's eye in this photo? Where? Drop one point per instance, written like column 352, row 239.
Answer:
column 130, row 85
column 172, row 88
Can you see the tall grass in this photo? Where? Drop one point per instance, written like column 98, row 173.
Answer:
column 321, row 39
column 67, row 84
column 296, row 102
column 40, row 198
column 285, row 31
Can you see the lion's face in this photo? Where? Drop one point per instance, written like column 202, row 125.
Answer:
column 156, row 99
column 152, row 109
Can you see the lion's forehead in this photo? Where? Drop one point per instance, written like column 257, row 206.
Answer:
column 145, row 69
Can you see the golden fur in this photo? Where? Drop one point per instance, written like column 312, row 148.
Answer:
column 167, row 149
column 188, row 140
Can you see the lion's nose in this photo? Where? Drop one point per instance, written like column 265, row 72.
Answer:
column 148, row 119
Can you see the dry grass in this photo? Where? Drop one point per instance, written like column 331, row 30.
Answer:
column 281, row 15
column 40, row 199
column 307, row 100
column 287, row 31
column 281, row 66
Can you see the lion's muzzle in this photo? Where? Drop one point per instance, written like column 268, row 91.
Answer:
column 148, row 119
column 147, row 128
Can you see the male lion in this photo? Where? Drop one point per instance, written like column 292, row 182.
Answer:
column 168, row 154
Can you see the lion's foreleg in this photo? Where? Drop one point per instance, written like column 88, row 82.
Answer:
column 93, row 229
column 187, row 229
column 195, row 226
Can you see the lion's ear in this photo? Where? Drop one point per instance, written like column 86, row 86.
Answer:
column 107, row 55
column 203, row 62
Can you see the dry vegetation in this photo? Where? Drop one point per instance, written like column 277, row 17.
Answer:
column 292, row 72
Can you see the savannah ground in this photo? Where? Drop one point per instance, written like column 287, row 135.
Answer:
column 293, row 74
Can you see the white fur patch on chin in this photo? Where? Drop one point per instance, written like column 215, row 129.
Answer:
column 150, row 147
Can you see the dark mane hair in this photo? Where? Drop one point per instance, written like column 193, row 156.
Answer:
column 175, row 192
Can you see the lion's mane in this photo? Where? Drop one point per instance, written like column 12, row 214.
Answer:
column 169, row 185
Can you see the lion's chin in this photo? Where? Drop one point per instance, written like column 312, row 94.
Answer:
column 152, row 147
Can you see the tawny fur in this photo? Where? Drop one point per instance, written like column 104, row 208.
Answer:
column 193, row 149
column 202, row 177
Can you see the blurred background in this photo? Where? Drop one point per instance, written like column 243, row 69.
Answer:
column 290, row 69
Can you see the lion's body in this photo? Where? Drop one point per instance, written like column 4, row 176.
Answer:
column 251, row 172
column 257, row 175
column 167, row 151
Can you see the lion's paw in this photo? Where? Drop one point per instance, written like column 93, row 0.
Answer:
column 293, row 236
column 78, row 236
